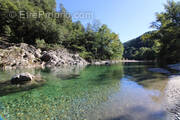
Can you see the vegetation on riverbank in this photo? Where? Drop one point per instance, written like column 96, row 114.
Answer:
column 163, row 44
column 139, row 49
column 95, row 41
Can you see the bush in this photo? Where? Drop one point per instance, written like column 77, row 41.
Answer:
column 40, row 43
column 87, row 56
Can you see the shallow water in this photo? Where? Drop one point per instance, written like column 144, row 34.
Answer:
column 117, row 92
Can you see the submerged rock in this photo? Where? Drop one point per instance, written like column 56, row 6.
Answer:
column 175, row 66
column 20, row 82
column 22, row 78
column 159, row 70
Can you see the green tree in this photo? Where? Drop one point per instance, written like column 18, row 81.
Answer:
column 168, row 32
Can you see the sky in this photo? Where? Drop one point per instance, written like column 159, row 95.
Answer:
column 128, row 18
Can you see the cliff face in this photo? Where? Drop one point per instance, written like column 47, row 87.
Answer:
column 27, row 56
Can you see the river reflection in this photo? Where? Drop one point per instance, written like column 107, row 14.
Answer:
column 117, row 92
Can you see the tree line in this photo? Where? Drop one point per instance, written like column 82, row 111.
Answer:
column 92, row 42
column 95, row 41
column 140, row 49
column 162, row 44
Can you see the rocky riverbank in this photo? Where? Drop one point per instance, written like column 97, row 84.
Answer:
column 167, row 70
column 172, row 95
column 27, row 56
column 172, row 92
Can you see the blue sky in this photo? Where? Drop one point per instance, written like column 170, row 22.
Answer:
column 128, row 18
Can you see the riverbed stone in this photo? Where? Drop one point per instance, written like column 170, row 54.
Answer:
column 22, row 78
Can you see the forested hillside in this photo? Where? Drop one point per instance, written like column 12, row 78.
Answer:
column 92, row 42
column 163, row 44
column 140, row 49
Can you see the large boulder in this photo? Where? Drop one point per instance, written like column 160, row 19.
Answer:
column 22, row 78
column 59, row 58
column 49, row 56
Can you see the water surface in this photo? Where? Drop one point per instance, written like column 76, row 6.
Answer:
column 117, row 92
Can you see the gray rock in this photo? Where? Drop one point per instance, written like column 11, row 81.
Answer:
column 46, row 57
column 175, row 66
column 26, row 56
column 22, row 78
column 107, row 63
column 38, row 53
column 97, row 63
column 159, row 70
column 62, row 58
column 102, row 63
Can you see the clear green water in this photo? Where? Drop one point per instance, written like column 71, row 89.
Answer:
column 117, row 92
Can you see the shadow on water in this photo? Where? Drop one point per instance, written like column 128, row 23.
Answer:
column 140, row 113
column 150, row 116
column 140, row 72
column 7, row 88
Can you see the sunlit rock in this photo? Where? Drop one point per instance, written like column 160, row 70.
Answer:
column 22, row 78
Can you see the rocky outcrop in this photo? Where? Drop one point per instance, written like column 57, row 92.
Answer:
column 27, row 56
column 62, row 58
column 21, row 55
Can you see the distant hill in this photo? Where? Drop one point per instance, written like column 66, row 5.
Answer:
column 139, row 49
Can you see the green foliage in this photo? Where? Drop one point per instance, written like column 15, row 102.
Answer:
column 94, row 42
column 142, row 48
column 7, row 30
column 40, row 43
column 87, row 55
column 162, row 44
column 168, row 32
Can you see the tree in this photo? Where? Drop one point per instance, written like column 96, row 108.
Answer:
column 168, row 32
column 94, row 42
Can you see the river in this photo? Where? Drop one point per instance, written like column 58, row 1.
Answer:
column 117, row 92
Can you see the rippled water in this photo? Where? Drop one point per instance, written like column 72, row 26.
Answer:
column 117, row 92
